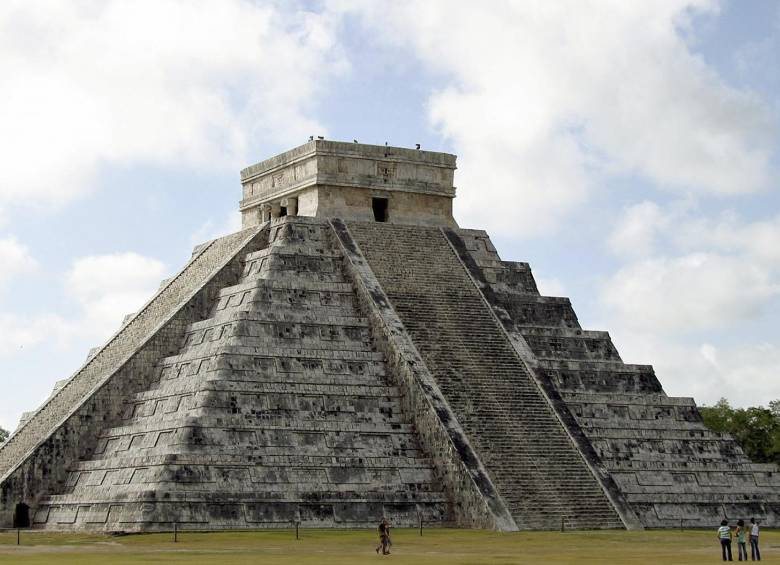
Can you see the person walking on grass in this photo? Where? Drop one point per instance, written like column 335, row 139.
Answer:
column 755, row 554
column 724, row 535
column 384, row 537
column 741, row 545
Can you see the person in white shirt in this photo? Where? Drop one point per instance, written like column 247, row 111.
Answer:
column 755, row 554
column 724, row 535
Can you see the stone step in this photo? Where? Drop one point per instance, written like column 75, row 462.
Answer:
column 327, row 374
column 504, row 413
column 531, row 310
column 284, row 314
column 745, row 490
column 273, row 304
column 182, row 493
column 230, row 353
column 275, row 407
column 376, row 418
column 304, row 249
column 323, row 388
column 314, row 339
column 160, row 516
column 235, row 458
column 650, row 443
column 302, row 263
column 627, row 399
column 287, row 481
column 293, row 443
column 617, row 466
column 681, row 498
column 286, row 286
column 274, row 411
column 693, row 433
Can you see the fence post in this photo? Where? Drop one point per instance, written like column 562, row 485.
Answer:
column 421, row 522
column 18, row 536
column 175, row 532
column 296, row 529
column 563, row 527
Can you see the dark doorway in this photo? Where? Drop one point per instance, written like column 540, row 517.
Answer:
column 379, row 205
column 282, row 211
column 22, row 516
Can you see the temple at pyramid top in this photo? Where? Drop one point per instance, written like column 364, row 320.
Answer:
column 351, row 181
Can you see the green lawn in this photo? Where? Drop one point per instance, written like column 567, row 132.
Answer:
column 435, row 547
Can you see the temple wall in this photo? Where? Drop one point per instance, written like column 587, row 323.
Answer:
column 403, row 207
column 418, row 184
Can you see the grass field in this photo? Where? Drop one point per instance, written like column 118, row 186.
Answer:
column 435, row 547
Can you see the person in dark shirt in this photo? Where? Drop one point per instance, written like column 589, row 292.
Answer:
column 384, row 537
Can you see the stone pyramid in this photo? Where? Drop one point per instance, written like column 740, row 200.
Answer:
column 352, row 353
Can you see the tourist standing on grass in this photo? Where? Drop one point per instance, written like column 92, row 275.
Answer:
column 755, row 554
column 384, row 537
column 724, row 535
column 389, row 539
column 741, row 544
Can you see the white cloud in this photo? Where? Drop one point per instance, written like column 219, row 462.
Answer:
column 645, row 228
column 18, row 332
column 15, row 259
column 108, row 287
column 687, row 271
column 543, row 99
column 83, row 84
column 745, row 373
column 637, row 229
column 105, row 288
column 212, row 229
column 693, row 292
column 550, row 286
column 692, row 274
column 757, row 240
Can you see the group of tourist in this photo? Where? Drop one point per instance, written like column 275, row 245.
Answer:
column 725, row 534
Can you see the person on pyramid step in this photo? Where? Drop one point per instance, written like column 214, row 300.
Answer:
column 724, row 535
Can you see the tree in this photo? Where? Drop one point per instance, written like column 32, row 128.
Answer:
column 3, row 434
column 718, row 417
column 756, row 429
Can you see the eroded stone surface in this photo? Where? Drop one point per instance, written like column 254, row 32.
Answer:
column 274, row 409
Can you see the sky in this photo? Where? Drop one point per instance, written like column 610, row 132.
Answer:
column 627, row 150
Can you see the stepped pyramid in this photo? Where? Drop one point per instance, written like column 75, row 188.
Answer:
column 353, row 353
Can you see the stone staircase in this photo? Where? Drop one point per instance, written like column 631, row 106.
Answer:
column 527, row 452
column 670, row 468
column 276, row 409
